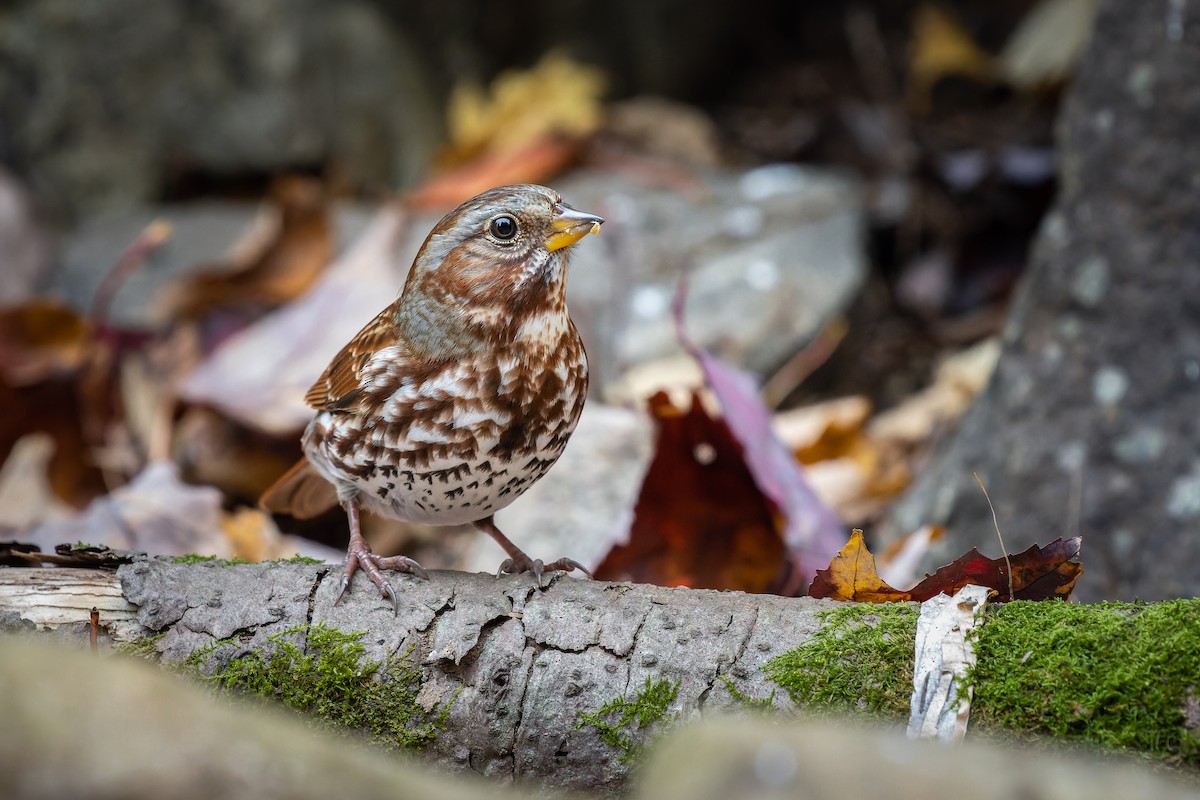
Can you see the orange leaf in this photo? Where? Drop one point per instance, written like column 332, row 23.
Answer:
column 852, row 576
column 40, row 340
column 536, row 162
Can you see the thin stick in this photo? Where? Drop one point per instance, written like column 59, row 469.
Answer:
column 147, row 241
column 996, row 523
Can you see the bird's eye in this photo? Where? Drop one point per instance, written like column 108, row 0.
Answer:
column 504, row 227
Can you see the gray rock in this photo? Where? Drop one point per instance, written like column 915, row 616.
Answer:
column 23, row 241
column 125, row 94
column 201, row 236
column 770, row 255
column 1089, row 424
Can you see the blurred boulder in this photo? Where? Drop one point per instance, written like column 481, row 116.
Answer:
column 103, row 104
column 770, row 256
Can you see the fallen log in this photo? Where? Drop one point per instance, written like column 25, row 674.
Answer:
column 511, row 666
column 96, row 728
column 564, row 683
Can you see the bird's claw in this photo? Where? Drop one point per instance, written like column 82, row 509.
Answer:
column 388, row 591
column 362, row 558
column 568, row 565
column 401, row 564
column 341, row 592
column 517, row 566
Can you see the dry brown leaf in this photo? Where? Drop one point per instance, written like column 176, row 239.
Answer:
column 282, row 258
column 957, row 382
column 700, row 519
column 40, row 340
column 823, row 430
column 853, row 472
column 852, row 576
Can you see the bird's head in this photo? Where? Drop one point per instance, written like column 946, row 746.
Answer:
column 489, row 266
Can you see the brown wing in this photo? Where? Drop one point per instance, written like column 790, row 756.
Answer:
column 301, row 492
column 341, row 384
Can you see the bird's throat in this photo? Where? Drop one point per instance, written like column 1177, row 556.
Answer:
column 437, row 329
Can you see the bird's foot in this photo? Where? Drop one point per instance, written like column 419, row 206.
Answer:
column 523, row 563
column 518, row 562
column 359, row 556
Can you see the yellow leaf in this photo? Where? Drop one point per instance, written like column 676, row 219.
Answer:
column 941, row 47
column 557, row 97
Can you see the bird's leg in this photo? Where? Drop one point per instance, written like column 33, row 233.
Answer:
column 518, row 562
column 359, row 556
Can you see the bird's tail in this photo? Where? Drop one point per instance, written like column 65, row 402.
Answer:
column 301, row 492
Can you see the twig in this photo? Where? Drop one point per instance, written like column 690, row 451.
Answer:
column 996, row 523
column 147, row 241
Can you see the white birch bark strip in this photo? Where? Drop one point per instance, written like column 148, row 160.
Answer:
column 944, row 653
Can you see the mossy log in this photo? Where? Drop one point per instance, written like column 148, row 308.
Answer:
column 564, row 683
column 97, row 728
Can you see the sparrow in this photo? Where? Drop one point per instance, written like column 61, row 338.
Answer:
column 458, row 396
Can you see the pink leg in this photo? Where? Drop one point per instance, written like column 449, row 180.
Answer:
column 359, row 556
column 517, row 562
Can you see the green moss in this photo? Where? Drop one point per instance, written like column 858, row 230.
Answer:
column 860, row 660
column 1113, row 674
column 323, row 672
column 145, row 648
column 745, row 700
column 297, row 559
column 196, row 558
column 620, row 721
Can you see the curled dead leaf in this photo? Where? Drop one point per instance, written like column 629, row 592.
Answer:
column 280, row 258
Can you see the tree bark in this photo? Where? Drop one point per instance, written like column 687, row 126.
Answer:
column 514, row 664
column 1090, row 422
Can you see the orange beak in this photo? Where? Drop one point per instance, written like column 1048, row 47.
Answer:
column 569, row 226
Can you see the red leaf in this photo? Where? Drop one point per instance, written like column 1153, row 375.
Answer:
column 1039, row 573
column 810, row 529
column 700, row 519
